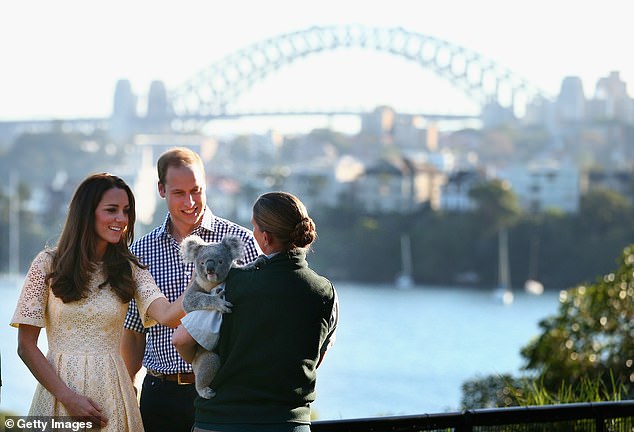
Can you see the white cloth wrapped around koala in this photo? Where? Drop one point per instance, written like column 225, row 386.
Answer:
column 204, row 325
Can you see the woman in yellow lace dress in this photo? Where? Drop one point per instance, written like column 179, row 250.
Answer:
column 79, row 291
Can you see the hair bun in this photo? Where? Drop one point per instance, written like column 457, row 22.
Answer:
column 304, row 233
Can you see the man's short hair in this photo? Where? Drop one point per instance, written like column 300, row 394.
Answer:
column 176, row 157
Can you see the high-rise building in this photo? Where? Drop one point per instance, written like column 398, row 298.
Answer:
column 124, row 113
column 157, row 105
column 124, row 100
column 158, row 108
column 571, row 102
column 611, row 100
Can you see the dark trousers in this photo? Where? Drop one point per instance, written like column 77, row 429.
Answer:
column 167, row 406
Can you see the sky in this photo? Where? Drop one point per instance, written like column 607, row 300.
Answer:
column 62, row 58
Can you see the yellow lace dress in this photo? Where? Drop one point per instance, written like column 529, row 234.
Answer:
column 83, row 343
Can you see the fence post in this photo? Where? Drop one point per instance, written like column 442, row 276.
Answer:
column 464, row 424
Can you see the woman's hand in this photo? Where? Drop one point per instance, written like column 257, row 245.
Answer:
column 33, row 358
column 82, row 406
column 166, row 313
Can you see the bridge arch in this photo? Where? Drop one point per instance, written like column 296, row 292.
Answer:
column 212, row 91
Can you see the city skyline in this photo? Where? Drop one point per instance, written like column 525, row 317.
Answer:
column 65, row 57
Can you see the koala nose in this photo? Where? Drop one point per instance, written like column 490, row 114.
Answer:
column 210, row 266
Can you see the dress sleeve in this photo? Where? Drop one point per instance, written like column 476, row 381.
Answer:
column 147, row 291
column 31, row 307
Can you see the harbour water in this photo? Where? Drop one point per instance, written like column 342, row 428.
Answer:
column 398, row 352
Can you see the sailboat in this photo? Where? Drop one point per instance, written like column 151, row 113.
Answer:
column 404, row 280
column 532, row 285
column 503, row 291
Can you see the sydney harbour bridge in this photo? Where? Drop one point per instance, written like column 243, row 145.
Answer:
column 212, row 93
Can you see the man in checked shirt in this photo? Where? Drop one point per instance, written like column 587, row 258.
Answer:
column 168, row 391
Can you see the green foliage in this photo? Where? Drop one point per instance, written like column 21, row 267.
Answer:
column 458, row 247
column 533, row 392
column 497, row 205
column 492, row 391
column 601, row 209
column 44, row 155
column 446, row 246
column 584, row 353
column 500, row 391
column 591, row 336
column 41, row 160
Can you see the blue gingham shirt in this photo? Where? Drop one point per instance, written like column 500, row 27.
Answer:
column 160, row 251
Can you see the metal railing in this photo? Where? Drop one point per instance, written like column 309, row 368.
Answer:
column 577, row 417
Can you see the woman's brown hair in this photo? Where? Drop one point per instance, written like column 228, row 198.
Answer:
column 286, row 218
column 74, row 260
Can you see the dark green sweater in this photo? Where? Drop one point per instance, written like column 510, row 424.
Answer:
column 270, row 343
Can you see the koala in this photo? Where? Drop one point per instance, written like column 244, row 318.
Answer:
column 212, row 262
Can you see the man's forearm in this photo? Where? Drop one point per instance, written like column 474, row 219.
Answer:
column 184, row 344
column 132, row 350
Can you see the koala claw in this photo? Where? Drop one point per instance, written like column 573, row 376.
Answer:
column 211, row 302
column 207, row 393
column 224, row 307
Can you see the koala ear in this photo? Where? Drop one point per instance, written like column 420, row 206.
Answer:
column 235, row 246
column 190, row 246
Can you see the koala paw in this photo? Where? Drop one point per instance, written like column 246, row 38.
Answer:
column 223, row 306
column 207, row 393
column 215, row 303
column 259, row 262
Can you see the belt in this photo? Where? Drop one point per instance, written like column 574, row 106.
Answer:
column 180, row 378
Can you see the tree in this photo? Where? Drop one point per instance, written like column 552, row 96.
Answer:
column 496, row 204
column 45, row 155
column 584, row 353
column 601, row 209
column 591, row 336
